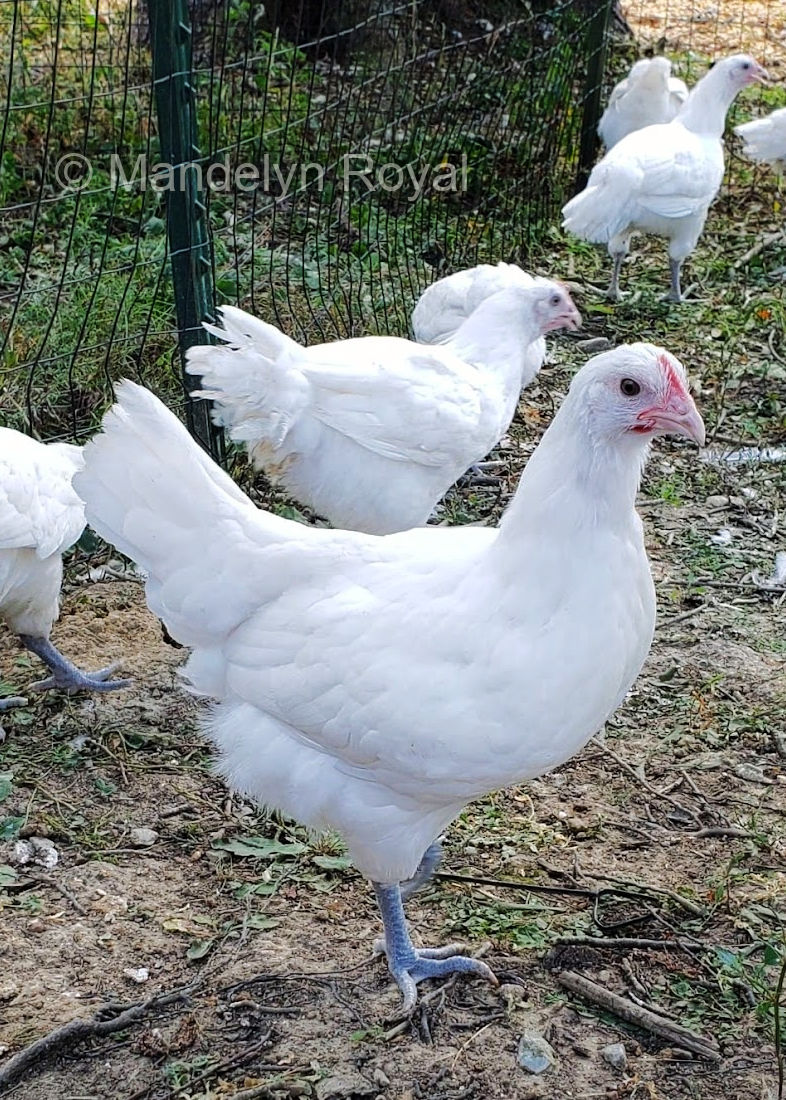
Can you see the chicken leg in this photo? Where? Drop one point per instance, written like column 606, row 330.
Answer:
column 675, row 293
column 66, row 675
column 613, row 293
column 410, row 965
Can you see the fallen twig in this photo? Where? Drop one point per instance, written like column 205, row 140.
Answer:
column 630, row 941
column 76, row 1031
column 758, row 248
column 634, row 774
column 673, row 1033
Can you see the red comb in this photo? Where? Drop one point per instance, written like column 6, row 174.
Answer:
column 674, row 380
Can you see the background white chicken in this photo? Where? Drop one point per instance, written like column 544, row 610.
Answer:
column 376, row 685
column 765, row 138
column 40, row 517
column 648, row 95
column 662, row 179
column 444, row 306
column 372, row 432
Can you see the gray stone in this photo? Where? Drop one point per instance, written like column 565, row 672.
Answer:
column 534, row 1054
column 346, row 1083
column 142, row 838
column 595, row 343
column 616, row 1055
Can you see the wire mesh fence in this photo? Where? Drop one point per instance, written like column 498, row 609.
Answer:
column 338, row 156
column 344, row 154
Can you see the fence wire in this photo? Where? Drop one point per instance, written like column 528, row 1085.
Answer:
column 349, row 153
column 484, row 110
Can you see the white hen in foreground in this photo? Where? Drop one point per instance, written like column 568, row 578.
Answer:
column 662, row 179
column 372, row 432
column 445, row 305
column 765, row 138
column 647, row 96
column 376, row 685
column 40, row 517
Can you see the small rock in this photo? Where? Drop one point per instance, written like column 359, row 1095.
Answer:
column 596, row 343
column 381, row 1079
column 8, row 990
column 347, row 1083
column 142, row 838
column 512, row 993
column 139, row 975
column 780, row 743
column 534, row 1054
column 615, row 1055
column 751, row 773
column 38, row 850
column 36, row 925
column 717, row 502
column 722, row 537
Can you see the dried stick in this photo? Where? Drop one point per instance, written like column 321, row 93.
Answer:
column 76, row 1031
column 632, row 1013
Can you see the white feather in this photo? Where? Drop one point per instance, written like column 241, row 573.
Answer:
column 647, row 96
column 40, row 517
column 662, row 179
column 375, row 685
column 372, row 432
column 765, row 138
column 444, row 306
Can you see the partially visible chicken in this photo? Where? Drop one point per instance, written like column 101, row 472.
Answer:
column 372, row 432
column 648, row 95
column 765, row 138
column 662, row 179
column 444, row 306
column 376, row 685
column 40, row 517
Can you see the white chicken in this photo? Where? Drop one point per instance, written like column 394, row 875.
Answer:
column 663, row 178
column 376, row 685
column 371, row 432
column 648, row 95
column 765, row 138
column 444, row 306
column 40, row 517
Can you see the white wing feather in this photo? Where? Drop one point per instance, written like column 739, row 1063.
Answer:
column 765, row 138
column 39, row 509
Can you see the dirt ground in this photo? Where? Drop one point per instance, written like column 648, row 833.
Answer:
column 711, row 28
column 663, row 841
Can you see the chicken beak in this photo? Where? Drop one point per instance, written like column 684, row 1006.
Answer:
column 760, row 74
column 571, row 319
column 678, row 417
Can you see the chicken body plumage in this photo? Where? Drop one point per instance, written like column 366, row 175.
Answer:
column 765, row 138
column 445, row 305
column 376, row 685
column 371, row 432
column 41, row 515
column 649, row 95
column 663, row 178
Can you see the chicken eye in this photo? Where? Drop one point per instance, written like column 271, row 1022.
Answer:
column 555, row 299
column 630, row 387
column 746, row 65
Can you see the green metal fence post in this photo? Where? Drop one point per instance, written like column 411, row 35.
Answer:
column 597, row 38
column 187, row 228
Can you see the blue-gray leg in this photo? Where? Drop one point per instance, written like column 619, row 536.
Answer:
column 65, row 675
column 426, row 868
column 410, row 965
column 675, row 293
